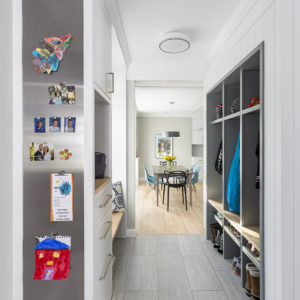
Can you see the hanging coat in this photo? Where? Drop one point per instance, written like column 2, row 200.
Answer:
column 233, row 183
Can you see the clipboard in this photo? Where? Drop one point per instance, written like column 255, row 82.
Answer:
column 61, row 197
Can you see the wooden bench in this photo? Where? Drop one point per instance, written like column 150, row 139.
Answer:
column 116, row 221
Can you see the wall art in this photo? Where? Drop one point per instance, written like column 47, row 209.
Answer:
column 163, row 146
column 54, row 124
column 70, row 124
column 61, row 94
column 39, row 125
column 61, row 197
column 52, row 258
column 48, row 57
column 41, row 152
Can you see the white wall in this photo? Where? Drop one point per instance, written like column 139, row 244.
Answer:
column 148, row 127
column 272, row 22
column 6, row 152
column 119, row 159
column 131, row 157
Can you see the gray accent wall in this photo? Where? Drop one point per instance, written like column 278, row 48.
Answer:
column 148, row 127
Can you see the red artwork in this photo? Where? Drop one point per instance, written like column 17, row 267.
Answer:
column 52, row 260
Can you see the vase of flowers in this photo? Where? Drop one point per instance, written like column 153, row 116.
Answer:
column 169, row 160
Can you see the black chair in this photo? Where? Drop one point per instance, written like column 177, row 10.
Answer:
column 162, row 163
column 181, row 183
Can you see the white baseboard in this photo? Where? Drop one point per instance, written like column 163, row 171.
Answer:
column 131, row 233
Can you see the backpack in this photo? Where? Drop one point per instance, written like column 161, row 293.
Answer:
column 100, row 165
column 219, row 160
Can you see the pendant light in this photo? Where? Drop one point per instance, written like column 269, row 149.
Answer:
column 171, row 133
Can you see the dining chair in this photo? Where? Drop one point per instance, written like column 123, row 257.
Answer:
column 162, row 163
column 173, row 184
column 174, row 163
column 193, row 166
column 151, row 179
column 195, row 177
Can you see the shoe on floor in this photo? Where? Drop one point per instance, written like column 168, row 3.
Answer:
column 237, row 269
column 249, row 267
column 255, row 282
column 234, row 261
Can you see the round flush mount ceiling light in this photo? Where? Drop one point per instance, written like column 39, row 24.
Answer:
column 174, row 42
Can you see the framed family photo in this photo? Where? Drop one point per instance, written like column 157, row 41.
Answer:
column 163, row 146
column 41, row 152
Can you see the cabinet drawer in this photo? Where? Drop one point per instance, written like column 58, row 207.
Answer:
column 103, row 278
column 107, row 190
column 102, row 216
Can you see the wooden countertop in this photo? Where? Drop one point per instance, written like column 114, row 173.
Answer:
column 101, row 183
column 251, row 233
column 116, row 220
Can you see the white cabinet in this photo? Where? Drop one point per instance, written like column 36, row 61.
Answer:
column 197, row 136
column 102, row 49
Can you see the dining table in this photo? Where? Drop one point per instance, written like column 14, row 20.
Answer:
column 159, row 171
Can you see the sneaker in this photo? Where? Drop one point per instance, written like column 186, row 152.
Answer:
column 220, row 250
column 218, row 239
column 234, row 261
column 237, row 269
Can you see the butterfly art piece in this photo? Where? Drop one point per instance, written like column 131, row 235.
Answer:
column 52, row 49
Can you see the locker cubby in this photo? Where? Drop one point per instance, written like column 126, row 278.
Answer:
column 243, row 233
column 231, row 91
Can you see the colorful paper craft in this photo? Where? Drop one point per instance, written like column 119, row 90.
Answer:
column 47, row 58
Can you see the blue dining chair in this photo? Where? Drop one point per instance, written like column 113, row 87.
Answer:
column 151, row 179
column 195, row 177
column 193, row 166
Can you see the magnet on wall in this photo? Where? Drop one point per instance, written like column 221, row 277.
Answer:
column 61, row 94
column 47, row 58
column 52, row 258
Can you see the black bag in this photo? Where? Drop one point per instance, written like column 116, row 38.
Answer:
column 219, row 160
column 100, row 165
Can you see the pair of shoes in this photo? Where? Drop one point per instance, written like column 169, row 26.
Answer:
column 236, row 265
column 220, row 250
column 214, row 228
column 252, row 282
column 219, row 241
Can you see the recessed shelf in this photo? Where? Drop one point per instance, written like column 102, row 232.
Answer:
column 251, row 256
column 245, row 111
column 251, row 233
column 221, row 222
column 233, row 237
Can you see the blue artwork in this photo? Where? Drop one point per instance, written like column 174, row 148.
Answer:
column 65, row 188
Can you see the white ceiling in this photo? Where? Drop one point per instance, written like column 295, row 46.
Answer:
column 154, row 101
column 146, row 21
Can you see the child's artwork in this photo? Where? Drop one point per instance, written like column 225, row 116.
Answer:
column 52, row 258
column 65, row 154
column 47, row 58
column 41, row 152
column 70, row 124
column 61, row 94
column 39, row 125
column 54, row 124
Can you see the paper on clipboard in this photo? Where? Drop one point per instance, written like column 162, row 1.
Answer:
column 61, row 197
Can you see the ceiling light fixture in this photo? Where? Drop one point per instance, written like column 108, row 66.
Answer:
column 175, row 42
column 171, row 133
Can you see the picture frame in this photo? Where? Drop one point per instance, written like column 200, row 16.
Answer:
column 39, row 125
column 41, row 152
column 54, row 124
column 69, row 124
column 163, row 146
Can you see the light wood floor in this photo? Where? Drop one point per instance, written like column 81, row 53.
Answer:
column 153, row 219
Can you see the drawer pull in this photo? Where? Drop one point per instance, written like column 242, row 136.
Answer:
column 106, row 201
column 103, row 237
column 110, row 261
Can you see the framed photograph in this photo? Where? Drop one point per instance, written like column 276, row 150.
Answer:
column 39, row 125
column 70, row 124
column 54, row 124
column 163, row 146
column 41, row 152
column 61, row 94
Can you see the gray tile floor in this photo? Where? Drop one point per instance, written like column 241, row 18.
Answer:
column 172, row 267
